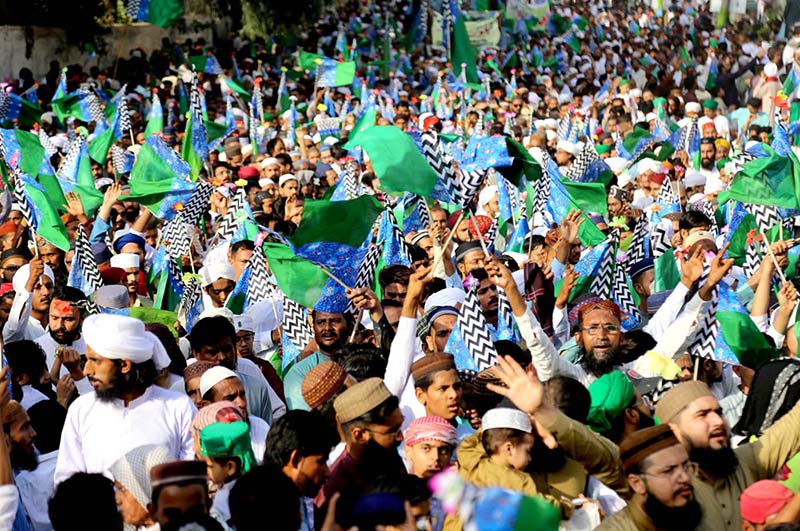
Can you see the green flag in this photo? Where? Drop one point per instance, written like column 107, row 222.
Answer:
column 771, row 180
column 666, row 274
column 164, row 13
column 366, row 121
column 398, row 164
column 50, row 227
column 187, row 150
column 158, row 179
column 309, row 61
column 463, row 52
column 345, row 222
column 633, row 138
column 589, row 197
column 299, row 279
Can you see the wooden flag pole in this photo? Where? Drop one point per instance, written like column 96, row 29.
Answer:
column 335, row 278
column 480, row 237
column 447, row 241
column 772, row 255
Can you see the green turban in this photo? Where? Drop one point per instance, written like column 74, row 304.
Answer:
column 611, row 394
column 710, row 104
column 602, row 148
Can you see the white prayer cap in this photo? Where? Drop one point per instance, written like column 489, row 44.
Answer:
column 329, row 141
column 635, row 93
column 696, row 198
column 117, row 337
column 486, row 195
column 569, row 147
column 23, row 273
column 445, row 297
column 16, row 207
column 286, row 177
column 505, row 417
column 125, row 261
column 213, row 376
column 263, row 183
column 646, row 165
column 550, row 134
column 103, row 181
column 540, row 231
column 214, row 312
column 244, row 323
column 650, row 117
column 224, row 191
column 624, row 178
column 114, row 296
column 270, row 161
column 617, row 164
column 714, row 186
column 770, row 70
column 213, row 272
column 564, row 97
column 48, row 117
column 694, row 178
column 692, row 106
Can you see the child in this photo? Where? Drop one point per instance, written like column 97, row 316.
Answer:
column 430, row 442
column 225, row 448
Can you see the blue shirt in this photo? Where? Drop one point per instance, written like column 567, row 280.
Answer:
column 293, row 383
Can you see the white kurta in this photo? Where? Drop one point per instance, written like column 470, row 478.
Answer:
column 98, row 433
column 49, row 346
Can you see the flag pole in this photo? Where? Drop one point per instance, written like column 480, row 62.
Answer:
column 447, row 241
column 772, row 255
column 359, row 316
column 480, row 237
column 696, row 367
column 334, row 277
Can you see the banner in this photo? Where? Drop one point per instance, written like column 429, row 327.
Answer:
column 483, row 29
column 525, row 9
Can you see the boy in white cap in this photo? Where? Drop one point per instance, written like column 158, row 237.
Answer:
column 565, row 154
column 129, row 262
column 126, row 410
column 217, row 282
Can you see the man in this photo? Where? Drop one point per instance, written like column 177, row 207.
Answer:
column 239, row 255
column 429, row 445
column 213, row 339
column 218, row 283
column 129, row 263
column 20, row 436
column 220, row 383
column 180, row 493
column 393, row 281
column 245, row 337
column 10, row 261
column 331, row 331
column 439, row 389
column 694, row 414
column 369, row 418
column 642, row 275
column 33, row 288
column 126, row 410
column 64, row 332
column 488, row 297
column 566, row 152
column 469, row 256
column 660, row 476
column 288, row 186
column 269, row 169
column 29, row 371
column 299, row 443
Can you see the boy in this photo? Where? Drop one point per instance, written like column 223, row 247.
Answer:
column 430, row 442
column 225, row 448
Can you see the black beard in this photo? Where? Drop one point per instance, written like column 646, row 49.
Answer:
column 114, row 390
column 717, row 463
column 705, row 166
column 70, row 338
column 22, row 459
column 683, row 518
column 599, row 367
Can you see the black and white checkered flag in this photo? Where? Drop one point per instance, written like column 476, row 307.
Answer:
column 659, row 242
column 49, row 148
column 708, row 210
column 95, row 107
column 233, row 216
column 444, row 169
column 504, row 313
column 475, row 332
column 601, row 283
column 491, row 235
column 295, row 324
column 198, row 204
column 704, row 338
column 22, row 201
column 586, row 156
column 85, row 259
column 195, row 106
column 738, row 161
column 541, row 189
column 175, row 238
column 752, row 259
column 192, row 294
column 397, row 234
column 766, row 216
column 564, row 125
column 258, row 288
column 69, row 160
column 621, row 295
column 351, row 185
column 124, row 115
column 366, row 272
column 133, row 9
column 422, row 212
column 118, row 160
column 666, row 194
column 637, row 250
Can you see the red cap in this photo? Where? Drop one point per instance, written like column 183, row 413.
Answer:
column 113, row 275
column 248, row 172
column 484, row 223
column 5, row 287
column 762, row 499
column 658, row 178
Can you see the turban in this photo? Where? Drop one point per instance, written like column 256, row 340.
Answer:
column 611, row 394
column 20, row 278
column 213, row 272
column 484, row 223
column 118, row 337
column 431, row 428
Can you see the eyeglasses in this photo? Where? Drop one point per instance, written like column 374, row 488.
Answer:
column 390, row 433
column 672, row 472
column 594, row 330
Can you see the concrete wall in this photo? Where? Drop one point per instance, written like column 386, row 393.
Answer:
column 50, row 43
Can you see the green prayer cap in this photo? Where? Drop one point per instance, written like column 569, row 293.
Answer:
column 623, row 82
column 710, row 104
column 602, row 148
column 228, row 439
column 611, row 394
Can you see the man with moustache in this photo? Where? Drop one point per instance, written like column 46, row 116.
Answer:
column 370, row 420
column 126, row 410
column 694, row 414
column 659, row 474
column 33, row 290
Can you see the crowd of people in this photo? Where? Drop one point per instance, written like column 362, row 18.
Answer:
column 586, row 322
